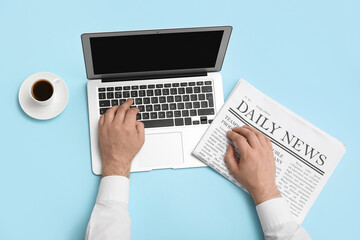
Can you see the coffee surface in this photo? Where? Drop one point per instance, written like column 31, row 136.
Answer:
column 42, row 90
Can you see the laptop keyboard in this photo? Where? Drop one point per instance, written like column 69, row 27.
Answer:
column 164, row 105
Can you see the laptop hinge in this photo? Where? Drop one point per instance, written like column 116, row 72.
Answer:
column 117, row 79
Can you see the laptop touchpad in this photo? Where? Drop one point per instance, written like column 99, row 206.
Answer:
column 161, row 150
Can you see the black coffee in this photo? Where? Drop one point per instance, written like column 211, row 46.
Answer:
column 42, row 90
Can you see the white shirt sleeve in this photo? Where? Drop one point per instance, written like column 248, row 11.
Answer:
column 110, row 216
column 277, row 222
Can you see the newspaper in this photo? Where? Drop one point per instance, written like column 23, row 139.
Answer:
column 305, row 156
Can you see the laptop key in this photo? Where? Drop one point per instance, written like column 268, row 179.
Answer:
column 101, row 89
column 206, row 111
column 157, row 107
column 181, row 90
column 145, row 115
column 134, row 94
column 175, row 84
column 138, row 116
column 159, row 85
column 146, row 100
column 149, row 93
column 205, row 89
column 126, row 94
column 122, row 101
column 127, row 88
column 162, row 99
column 167, row 85
column 173, row 91
column 211, row 120
column 186, row 98
column 183, row 84
column 143, row 86
column 196, row 104
column 161, row 114
column 103, row 110
column 153, row 115
column 177, row 98
column 210, row 98
column 151, row 86
column 158, row 123
column 180, row 106
column 118, row 94
column 193, row 97
column 179, row 121
column 172, row 106
column 200, row 83
column 154, row 100
column 177, row 114
column 193, row 112
column 196, row 89
column 134, row 87
column 110, row 95
column 201, row 96
column 142, row 93
column 104, row 103
column 189, row 90
column 204, row 104
column 203, row 120
column 170, row 98
column 157, row 92
column 118, row 88
column 165, row 91
column 164, row 106
column 102, row 96
column 185, row 113
column 114, row 102
column 169, row 114
column 207, row 82
column 138, row 101
column 110, row 89
column 196, row 122
column 149, row 108
column 191, row 83
column 187, row 121
column 188, row 105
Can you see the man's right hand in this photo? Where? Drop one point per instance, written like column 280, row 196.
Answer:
column 255, row 169
column 121, row 137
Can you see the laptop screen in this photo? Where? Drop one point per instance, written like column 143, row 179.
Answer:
column 155, row 52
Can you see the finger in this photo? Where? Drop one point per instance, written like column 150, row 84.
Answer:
column 239, row 140
column 249, row 135
column 269, row 144
column 130, row 116
column 140, row 130
column 110, row 114
column 230, row 159
column 101, row 120
column 121, row 111
column 260, row 135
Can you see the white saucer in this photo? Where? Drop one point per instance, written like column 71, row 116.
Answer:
column 34, row 110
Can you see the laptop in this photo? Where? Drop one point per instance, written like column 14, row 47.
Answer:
column 173, row 77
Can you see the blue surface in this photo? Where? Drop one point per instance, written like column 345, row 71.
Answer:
column 304, row 54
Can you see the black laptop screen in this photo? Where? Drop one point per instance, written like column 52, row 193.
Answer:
column 155, row 52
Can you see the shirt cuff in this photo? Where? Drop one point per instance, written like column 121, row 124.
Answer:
column 273, row 212
column 113, row 188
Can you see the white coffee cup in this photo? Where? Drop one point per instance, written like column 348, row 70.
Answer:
column 42, row 91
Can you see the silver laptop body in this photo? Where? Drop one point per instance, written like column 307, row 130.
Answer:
column 173, row 77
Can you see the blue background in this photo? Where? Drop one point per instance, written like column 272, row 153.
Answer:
column 304, row 54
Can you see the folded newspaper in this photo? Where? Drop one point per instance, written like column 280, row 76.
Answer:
column 305, row 156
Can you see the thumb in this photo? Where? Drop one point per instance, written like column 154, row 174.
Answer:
column 140, row 130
